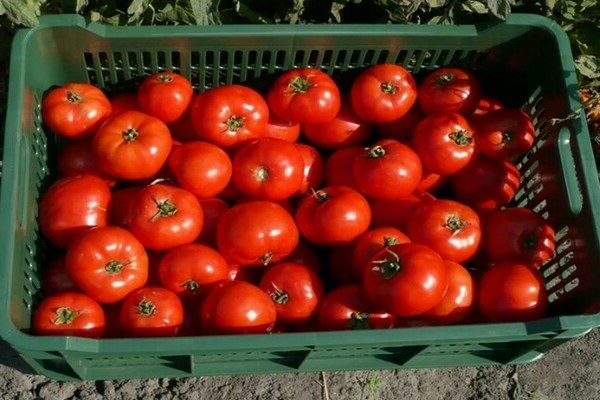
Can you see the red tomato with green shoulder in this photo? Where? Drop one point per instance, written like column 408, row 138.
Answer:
column 75, row 110
column 212, row 208
column 388, row 170
column 229, row 115
column 71, row 206
column 406, row 279
column 107, row 263
column 132, row 145
column 449, row 90
column 165, row 95
column 77, row 158
column 163, row 217
column 504, row 134
column 56, row 279
column 395, row 213
column 383, row 93
column 372, row 242
column 124, row 102
column 69, row 314
column 305, row 96
column 281, row 129
column 346, row 129
column 151, row 312
column 338, row 167
column 313, row 168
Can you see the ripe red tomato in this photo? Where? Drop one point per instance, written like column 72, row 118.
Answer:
column 518, row 235
column 268, row 169
column 372, row 242
column 201, row 168
column 486, row 183
column 69, row 314
column 124, row 102
column 191, row 270
column 346, row 129
column 151, row 312
column 504, row 134
column 458, row 301
column 163, row 217
column 388, row 170
column 333, row 216
column 512, row 292
column 212, row 209
column 107, row 263
column 383, row 93
column 77, row 158
column 406, row 279
column 75, row 110
column 449, row 90
column 339, row 265
column 395, row 213
column 304, row 95
column 165, row 95
column 313, row 168
column 338, row 167
column 487, row 104
column 281, row 129
column 431, row 182
column 403, row 127
column 445, row 143
column 305, row 254
column 229, row 115
column 120, row 205
column 296, row 291
column 349, row 307
column 238, row 307
column 71, row 206
column 56, row 278
column 256, row 233
column 450, row 228
column 132, row 145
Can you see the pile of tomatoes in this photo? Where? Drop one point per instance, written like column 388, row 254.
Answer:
column 298, row 209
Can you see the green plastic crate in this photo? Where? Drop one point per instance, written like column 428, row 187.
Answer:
column 559, row 181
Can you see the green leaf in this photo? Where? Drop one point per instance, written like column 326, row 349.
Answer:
column 2, row 9
column 80, row 4
column 475, row 6
column 436, row 20
column 551, row 4
column 251, row 15
column 588, row 66
column 436, row 3
column 500, row 8
column 21, row 13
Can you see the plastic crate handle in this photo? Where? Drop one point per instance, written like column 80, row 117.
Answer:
column 569, row 170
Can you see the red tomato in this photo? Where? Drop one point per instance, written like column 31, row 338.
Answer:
column 165, row 95
column 229, row 115
column 372, row 242
column 449, row 90
column 296, row 291
column 69, row 314
column 487, row 104
column 107, row 263
column 512, row 292
column 403, row 127
column 281, row 129
column 388, row 170
column 346, row 129
column 77, row 158
column 71, row 206
column 124, row 102
column 458, row 301
column 333, row 216
column 268, row 169
column 431, row 182
column 132, row 145
column 304, row 95
column 56, row 278
column 448, row 227
column 256, row 233
column 486, row 183
column 212, row 209
column 163, row 217
column 120, row 206
column 504, row 134
column 305, row 254
column 406, row 279
column 383, row 93
column 191, row 270
column 313, row 168
column 445, row 143
column 201, row 168
column 395, row 213
column 338, row 167
column 518, row 235
column 238, row 307
column 340, row 268
column 349, row 307
column 75, row 110
column 151, row 312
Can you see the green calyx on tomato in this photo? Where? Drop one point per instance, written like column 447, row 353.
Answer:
column 388, row 268
column 455, row 224
column 146, row 308
column 114, row 267
column 73, row 97
column 265, row 259
column 191, row 285
column 262, row 174
column 279, row 296
column 461, row 138
column 375, row 152
column 300, row 85
column 390, row 241
column 164, row 209
column 359, row 320
column 164, row 78
column 530, row 242
column 445, row 79
column 65, row 316
column 320, row 196
column 388, row 88
column 507, row 137
column 234, row 123
column 130, row 135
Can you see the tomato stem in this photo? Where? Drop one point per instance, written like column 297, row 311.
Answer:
column 191, row 285
column 530, row 242
column 73, row 97
column 164, row 78
column 130, row 135
column 375, row 152
column 164, row 209
column 445, row 79
column 320, row 196
column 300, row 85
column 455, row 224
column 388, row 88
column 389, row 241
column 359, row 320
column 113, row 267
column 65, row 316
column 461, row 138
column 507, row 137
column 265, row 259
column 146, row 308
column 279, row 296
column 262, row 174
column 388, row 268
column 235, row 123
